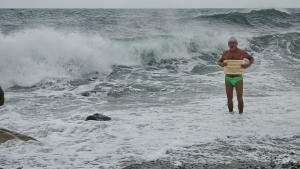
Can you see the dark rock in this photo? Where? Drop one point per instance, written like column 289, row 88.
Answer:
column 6, row 135
column 86, row 94
column 1, row 97
column 98, row 117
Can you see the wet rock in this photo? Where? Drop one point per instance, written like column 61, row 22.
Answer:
column 1, row 97
column 6, row 135
column 98, row 117
column 86, row 94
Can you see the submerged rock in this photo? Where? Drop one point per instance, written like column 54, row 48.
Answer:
column 98, row 117
column 1, row 97
column 6, row 135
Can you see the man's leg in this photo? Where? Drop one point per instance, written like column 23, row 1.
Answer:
column 239, row 94
column 229, row 92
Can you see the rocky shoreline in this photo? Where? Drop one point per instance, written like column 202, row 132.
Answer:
column 161, row 164
column 230, row 153
column 6, row 135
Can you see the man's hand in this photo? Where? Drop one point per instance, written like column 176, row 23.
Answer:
column 245, row 66
column 222, row 64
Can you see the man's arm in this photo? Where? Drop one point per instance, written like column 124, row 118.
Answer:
column 250, row 58
column 220, row 61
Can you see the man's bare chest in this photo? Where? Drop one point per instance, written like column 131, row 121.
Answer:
column 233, row 56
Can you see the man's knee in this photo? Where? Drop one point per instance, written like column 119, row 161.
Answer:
column 229, row 99
column 240, row 99
column 1, row 97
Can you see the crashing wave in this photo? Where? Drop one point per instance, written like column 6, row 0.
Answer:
column 254, row 18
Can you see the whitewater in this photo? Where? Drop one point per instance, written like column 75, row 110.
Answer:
column 155, row 73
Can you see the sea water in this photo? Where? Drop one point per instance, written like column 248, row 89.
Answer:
column 154, row 72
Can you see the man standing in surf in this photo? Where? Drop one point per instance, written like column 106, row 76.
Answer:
column 235, row 81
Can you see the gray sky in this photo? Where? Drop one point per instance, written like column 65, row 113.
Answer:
column 149, row 3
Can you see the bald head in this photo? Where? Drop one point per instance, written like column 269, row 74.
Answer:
column 232, row 39
column 232, row 43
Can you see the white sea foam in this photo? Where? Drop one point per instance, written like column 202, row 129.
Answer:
column 69, row 141
column 30, row 56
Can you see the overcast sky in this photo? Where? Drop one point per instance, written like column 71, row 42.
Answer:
column 149, row 3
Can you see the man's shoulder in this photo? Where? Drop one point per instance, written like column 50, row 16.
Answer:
column 241, row 50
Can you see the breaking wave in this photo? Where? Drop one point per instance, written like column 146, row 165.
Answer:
column 254, row 18
column 32, row 55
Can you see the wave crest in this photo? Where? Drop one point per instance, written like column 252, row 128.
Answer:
column 254, row 18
